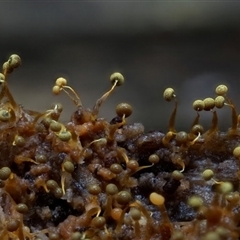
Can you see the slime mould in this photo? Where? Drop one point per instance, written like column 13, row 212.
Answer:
column 97, row 179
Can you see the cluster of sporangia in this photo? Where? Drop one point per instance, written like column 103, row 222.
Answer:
column 101, row 180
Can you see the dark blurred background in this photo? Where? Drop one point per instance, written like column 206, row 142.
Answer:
column 191, row 46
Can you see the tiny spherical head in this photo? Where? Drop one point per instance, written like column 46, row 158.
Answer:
column 225, row 187
column 181, row 137
column 58, row 193
column 236, row 152
column 47, row 121
column 65, row 136
column 94, row 189
column 233, row 197
column 58, row 107
column 51, row 184
column 197, row 128
column 221, row 90
column 19, row 141
column 116, row 213
column 14, row 61
column 198, row 105
column 61, row 82
column 156, row 199
column 111, row 189
column 5, row 115
column 135, row 213
column 116, row 168
column 53, row 236
column 68, row 166
column 98, row 222
column 6, row 68
column 117, row 77
column 22, row 208
column 124, row 109
column 13, row 225
column 195, row 202
column 76, row 236
column 40, row 158
column 169, row 94
column 124, row 197
column 133, row 165
column 209, row 103
column 153, row 158
column 56, row 90
column 177, row 175
column 219, row 101
column 207, row 174
column 55, row 126
column 5, row 173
